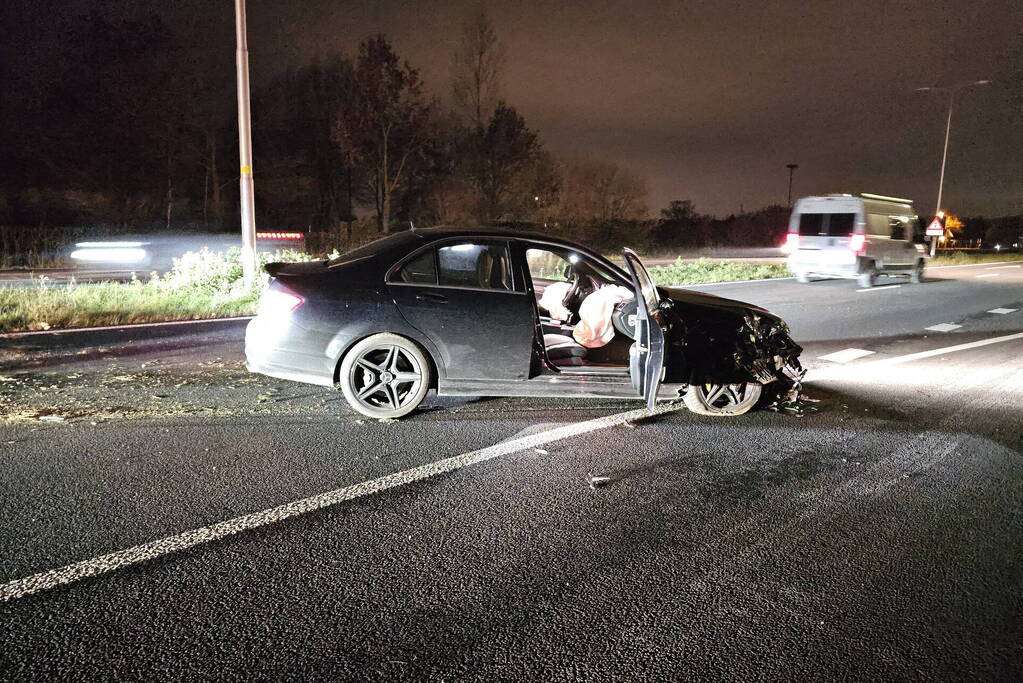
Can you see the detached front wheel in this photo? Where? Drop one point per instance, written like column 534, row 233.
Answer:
column 722, row 399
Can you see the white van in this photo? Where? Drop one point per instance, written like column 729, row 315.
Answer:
column 859, row 237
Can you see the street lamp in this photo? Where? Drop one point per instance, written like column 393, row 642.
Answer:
column 792, row 168
column 248, row 212
column 952, row 90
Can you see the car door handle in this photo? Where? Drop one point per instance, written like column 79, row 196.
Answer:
column 431, row 296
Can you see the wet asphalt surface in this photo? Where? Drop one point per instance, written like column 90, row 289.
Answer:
column 880, row 536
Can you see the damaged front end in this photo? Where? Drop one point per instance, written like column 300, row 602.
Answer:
column 721, row 341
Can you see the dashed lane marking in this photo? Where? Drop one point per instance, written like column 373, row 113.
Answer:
column 1001, row 267
column 1003, row 311
column 943, row 327
column 878, row 289
column 122, row 559
column 988, row 275
column 898, row 360
column 845, row 355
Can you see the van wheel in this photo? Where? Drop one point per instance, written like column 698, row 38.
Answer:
column 916, row 276
column 802, row 278
column 385, row 376
column 868, row 276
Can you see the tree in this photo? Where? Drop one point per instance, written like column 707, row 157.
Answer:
column 476, row 69
column 504, row 158
column 679, row 211
column 381, row 130
column 601, row 191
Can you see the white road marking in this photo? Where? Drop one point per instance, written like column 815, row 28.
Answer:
column 121, row 559
column 1003, row 311
column 988, row 275
column 943, row 327
column 898, row 360
column 878, row 289
column 1001, row 267
column 845, row 355
column 969, row 265
column 734, row 282
column 132, row 326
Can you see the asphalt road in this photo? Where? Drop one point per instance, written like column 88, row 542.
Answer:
column 876, row 538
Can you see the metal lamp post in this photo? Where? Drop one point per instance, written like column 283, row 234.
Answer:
column 792, row 168
column 248, row 213
column 952, row 90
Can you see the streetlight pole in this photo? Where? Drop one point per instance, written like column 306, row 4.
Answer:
column 792, row 168
column 246, row 187
column 952, row 89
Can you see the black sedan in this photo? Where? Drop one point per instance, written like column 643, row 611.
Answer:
column 483, row 313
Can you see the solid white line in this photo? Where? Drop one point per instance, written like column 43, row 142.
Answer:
column 1001, row 267
column 131, row 326
column 988, row 275
column 878, row 289
column 1003, row 311
column 845, row 355
column 898, row 360
column 121, row 559
column 943, row 327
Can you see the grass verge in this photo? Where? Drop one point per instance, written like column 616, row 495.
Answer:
column 201, row 285
column 963, row 258
column 706, row 270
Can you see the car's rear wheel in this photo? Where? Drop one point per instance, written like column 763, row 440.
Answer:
column 385, row 376
column 722, row 399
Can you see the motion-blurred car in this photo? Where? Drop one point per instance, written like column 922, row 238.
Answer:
column 509, row 314
column 858, row 238
column 157, row 251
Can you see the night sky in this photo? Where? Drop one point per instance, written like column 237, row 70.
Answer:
column 706, row 100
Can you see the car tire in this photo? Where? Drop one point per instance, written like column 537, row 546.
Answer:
column 916, row 276
column 722, row 400
column 385, row 376
column 868, row 276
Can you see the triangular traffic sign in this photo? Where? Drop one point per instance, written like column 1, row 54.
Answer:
column 936, row 228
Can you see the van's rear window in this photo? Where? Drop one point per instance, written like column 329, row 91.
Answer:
column 834, row 224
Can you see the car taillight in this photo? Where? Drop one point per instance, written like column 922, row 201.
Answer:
column 279, row 303
column 857, row 242
column 791, row 241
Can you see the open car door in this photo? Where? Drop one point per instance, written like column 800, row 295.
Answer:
column 646, row 356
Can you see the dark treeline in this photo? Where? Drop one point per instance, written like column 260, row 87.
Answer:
column 131, row 128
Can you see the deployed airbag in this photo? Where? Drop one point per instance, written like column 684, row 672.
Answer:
column 553, row 300
column 595, row 328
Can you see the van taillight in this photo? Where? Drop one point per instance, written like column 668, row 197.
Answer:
column 856, row 242
column 792, row 241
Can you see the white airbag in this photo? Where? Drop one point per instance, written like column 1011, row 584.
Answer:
column 595, row 327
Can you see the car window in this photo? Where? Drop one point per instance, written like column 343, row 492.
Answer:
column 420, row 270
column 546, row 265
column 811, row 224
column 472, row 264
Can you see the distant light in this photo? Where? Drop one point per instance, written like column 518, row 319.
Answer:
column 536, row 198
column 573, row 259
column 110, row 255
column 279, row 235
column 941, row 214
column 998, row 247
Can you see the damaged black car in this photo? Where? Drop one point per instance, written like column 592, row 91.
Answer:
column 488, row 313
